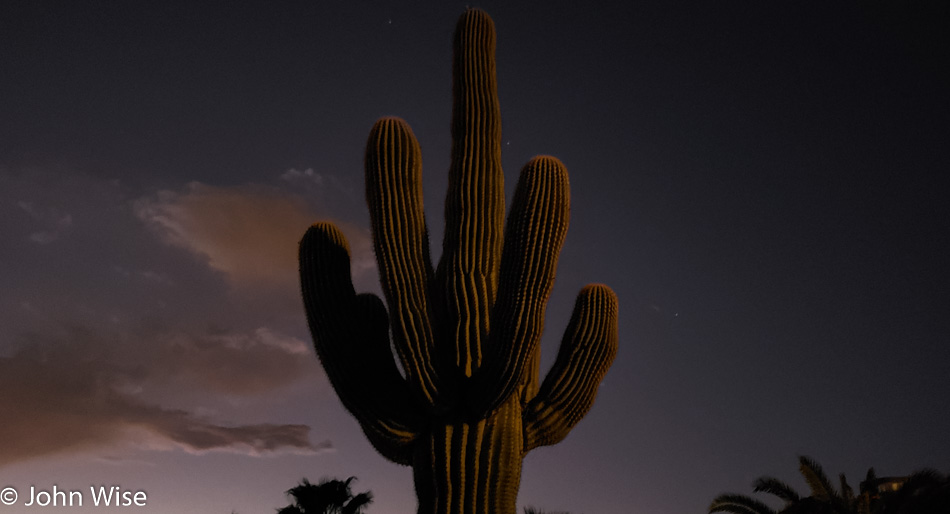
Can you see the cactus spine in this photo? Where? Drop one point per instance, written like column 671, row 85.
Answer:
column 470, row 404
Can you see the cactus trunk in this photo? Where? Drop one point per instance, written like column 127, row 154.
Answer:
column 469, row 403
column 471, row 467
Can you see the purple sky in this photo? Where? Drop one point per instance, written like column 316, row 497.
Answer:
column 762, row 184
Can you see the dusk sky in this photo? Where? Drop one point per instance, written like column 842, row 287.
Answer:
column 763, row 184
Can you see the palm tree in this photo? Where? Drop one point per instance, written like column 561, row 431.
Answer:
column 924, row 492
column 327, row 497
column 824, row 499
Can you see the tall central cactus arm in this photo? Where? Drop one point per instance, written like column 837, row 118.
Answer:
column 475, row 201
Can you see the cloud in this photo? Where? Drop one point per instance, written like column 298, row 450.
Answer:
column 114, row 337
column 196, row 436
column 248, row 232
column 234, row 363
column 295, row 176
column 326, row 190
column 83, row 392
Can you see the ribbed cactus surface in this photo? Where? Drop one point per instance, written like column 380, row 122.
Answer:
column 469, row 404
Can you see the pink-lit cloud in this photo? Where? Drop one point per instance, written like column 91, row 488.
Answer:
column 144, row 320
column 86, row 393
column 248, row 232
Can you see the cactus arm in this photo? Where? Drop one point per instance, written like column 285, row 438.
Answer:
column 389, row 416
column 350, row 335
column 537, row 226
column 394, row 195
column 474, row 205
column 587, row 351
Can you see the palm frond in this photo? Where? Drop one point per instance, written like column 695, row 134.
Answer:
column 329, row 496
column 739, row 504
column 356, row 504
column 821, row 487
column 922, row 478
column 776, row 487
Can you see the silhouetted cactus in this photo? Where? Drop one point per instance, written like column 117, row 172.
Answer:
column 470, row 405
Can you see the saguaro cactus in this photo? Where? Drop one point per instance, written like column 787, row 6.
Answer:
column 468, row 405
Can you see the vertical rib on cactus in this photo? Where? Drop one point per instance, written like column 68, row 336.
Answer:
column 470, row 405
